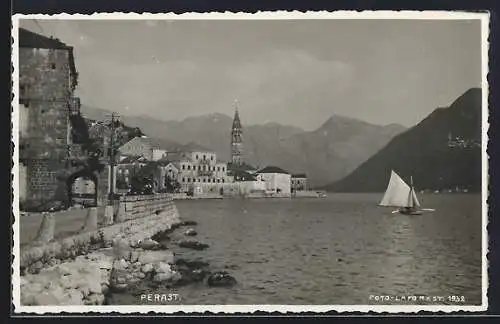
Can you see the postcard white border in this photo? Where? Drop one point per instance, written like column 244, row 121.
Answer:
column 276, row 15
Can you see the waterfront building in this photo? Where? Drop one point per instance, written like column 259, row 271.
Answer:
column 299, row 182
column 277, row 181
column 198, row 167
column 126, row 169
column 168, row 180
column 47, row 80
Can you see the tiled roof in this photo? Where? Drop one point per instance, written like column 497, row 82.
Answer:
column 32, row 40
column 133, row 159
column 272, row 169
column 240, row 175
column 243, row 166
column 299, row 175
column 28, row 39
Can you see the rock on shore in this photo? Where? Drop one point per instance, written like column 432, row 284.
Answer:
column 192, row 244
column 83, row 281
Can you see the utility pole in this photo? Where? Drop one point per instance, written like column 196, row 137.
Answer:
column 112, row 158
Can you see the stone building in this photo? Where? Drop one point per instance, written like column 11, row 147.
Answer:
column 278, row 181
column 126, row 169
column 47, row 79
column 198, row 165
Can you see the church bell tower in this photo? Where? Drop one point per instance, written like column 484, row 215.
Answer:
column 236, row 139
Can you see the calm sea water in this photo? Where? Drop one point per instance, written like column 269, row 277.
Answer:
column 338, row 250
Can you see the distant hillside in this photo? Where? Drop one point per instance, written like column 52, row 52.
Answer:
column 426, row 153
column 326, row 154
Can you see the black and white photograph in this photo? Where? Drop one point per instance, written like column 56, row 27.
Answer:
column 233, row 162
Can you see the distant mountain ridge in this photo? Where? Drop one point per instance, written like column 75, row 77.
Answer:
column 443, row 151
column 327, row 154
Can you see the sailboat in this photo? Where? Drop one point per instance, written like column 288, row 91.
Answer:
column 402, row 196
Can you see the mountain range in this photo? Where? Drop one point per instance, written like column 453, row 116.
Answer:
column 326, row 154
column 443, row 151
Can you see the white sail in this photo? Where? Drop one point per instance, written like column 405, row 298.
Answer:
column 398, row 193
column 415, row 202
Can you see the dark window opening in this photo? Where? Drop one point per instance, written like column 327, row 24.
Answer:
column 53, row 66
column 204, row 157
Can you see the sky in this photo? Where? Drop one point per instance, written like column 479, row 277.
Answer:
column 295, row 72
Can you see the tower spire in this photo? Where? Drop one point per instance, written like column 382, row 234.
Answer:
column 236, row 120
column 236, row 137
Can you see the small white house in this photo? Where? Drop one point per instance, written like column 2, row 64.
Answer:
column 277, row 180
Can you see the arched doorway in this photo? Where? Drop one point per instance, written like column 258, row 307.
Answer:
column 82, row 188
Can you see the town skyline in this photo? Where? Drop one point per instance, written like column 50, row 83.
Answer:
column 291, row 73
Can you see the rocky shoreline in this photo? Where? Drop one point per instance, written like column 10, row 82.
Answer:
column 128, row 266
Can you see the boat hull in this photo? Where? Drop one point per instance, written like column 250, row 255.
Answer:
column 410, row 212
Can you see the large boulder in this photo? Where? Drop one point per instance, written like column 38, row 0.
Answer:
column 188, row 223
column 149, row 244
column 192, row 244
column 221, row 279
column 164, row 272
column 156, row 256
column 190, row 232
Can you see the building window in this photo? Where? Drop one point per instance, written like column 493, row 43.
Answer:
column 204, row 180
column 197, row 157
column 223, row 169
column 212, row 157
column 183, row 167
column 218, row 168
column 199, row 180
column 53, row 66
column 183, row 179
column 204, row 157
column 204, row 168
column 222, row 180
column 218, row 180
column 213, row 180
column 189, row 167
column 189, row 179
column 199, row 167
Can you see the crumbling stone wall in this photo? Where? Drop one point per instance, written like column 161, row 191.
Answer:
column 45, row 89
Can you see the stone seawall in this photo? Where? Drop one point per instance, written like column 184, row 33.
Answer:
column 131, row 207
column 77, row 269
